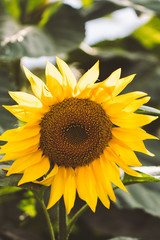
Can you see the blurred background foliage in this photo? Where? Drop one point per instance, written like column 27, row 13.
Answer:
column 30, row 30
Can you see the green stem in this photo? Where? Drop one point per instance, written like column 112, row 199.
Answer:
column 48, row 220
column 75, row 218
column 62, row 221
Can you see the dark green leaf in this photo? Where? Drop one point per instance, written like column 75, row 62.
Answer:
column 147, row 174
column 66, row 27
column 149, row 110
column 141, row 6
column 143, row 196
column 17, row 41
column 7, row 120
column 99, row 9
column 12, row 180
column 31, row 5
column 56, row 36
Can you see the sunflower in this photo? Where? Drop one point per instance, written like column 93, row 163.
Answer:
column 77, row 136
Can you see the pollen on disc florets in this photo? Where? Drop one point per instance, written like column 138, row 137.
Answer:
column 74, row 132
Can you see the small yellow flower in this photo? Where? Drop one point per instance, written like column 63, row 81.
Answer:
column 77, row 135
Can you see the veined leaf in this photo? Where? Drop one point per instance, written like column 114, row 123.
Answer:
column 148, row 110
column 148, row 174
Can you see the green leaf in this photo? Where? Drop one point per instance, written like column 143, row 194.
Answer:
column 144, row 195
column 12, row 6
column 148, row 110
column 149, row 33
column 28, row 205
column 87, row 3
column 9, row 190
column 99, row 9
column 12, row 180
column 66, row 27
column 17, row 41
column 31, row 5
column 147, row 174
column 141, row 196
column 55, row 36
column 141, row 6
column 7, row 120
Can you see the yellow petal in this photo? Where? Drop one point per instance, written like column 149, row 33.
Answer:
column 136, row 145
column 101, row 94
column 21, row 145
column 131, row 133
column 57, row 187
column 103, row 182
column 69, row 189
column 14, row 155
column 23, row 98
column 25, row 113
column 54, row 81
column 132, row 107
column 24, row 162
column 121, row 84
column 35, row 171
column 68, row 77
column 124, row 152
column 86, row 186
column 52, row 74
column 49, row 179
column 132, row 120
column 101, row 191
column 20, row 133
column 118, row 159
column 113, row 78
column 117, row 104
column 47, row 98
column 90, row 77
column 36, row 83
column 113, row 172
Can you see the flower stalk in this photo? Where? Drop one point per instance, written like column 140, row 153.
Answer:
column 74, row 219
column 62, row 221
column 39, row 197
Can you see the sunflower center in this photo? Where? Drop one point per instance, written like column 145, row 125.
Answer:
column 75, row 132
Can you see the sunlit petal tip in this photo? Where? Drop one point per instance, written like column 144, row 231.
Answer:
column 11, row 93
column 5, row 106
column 50, row 68
column 117, row 73
column 49, row 206
column 27, row 72
column 5, row 169
column 20, row 183
column 8, row 173
column 61, row 63
column 150, row 154
column 68, row 76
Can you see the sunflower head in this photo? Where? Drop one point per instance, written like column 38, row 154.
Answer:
column 74, row 132
column 77, row 134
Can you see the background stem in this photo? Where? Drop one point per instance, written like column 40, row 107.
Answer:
column 62, row 221
column 48, row 220
column 75, row 218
